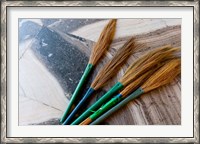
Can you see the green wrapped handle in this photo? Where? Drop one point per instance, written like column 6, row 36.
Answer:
column 78, row 106
column 106, row 107
column 77, row 91
column 129, row 98
column 118, row 86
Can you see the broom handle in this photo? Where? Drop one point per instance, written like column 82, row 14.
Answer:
column 95, row 106
column 106, row 107
column 134, row 95
column 75, row 110
column 77, row 91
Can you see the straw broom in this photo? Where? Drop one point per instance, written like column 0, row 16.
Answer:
column 137, row 69
column 134, row 95
column 106, row 73
column 98, row 51
column 163, row 76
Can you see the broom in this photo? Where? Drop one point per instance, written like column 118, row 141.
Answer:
column 163, row 76
column 135, row 95
column 98, row 51
column 106, row 73
column 141, row 66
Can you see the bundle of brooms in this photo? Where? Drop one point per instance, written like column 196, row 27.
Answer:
column 106, row 73
column 98, row 51
column 145, row 66
column 135, row 76
column 162, row 76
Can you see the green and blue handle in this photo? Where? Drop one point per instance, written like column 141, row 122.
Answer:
column 104, row 108
column 99, row 117
column 118, row 86
column 79, row 105
column 77, row 91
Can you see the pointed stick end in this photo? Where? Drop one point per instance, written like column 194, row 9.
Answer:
column 86, row 121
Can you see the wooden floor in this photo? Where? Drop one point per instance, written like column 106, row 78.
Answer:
column 54, row 52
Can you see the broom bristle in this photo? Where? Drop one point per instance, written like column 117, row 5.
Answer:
column 146, row 57
column 113, row 66
column 163, row 76
column 152, row 59
column 103, row 42
column 142, row 59
column 135, row 84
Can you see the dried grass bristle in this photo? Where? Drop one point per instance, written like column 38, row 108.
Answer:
column 114, row 65
column 135, row 84
column 163, row 76
column 151, row 60
column 103, row 42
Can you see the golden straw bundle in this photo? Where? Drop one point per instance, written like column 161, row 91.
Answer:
column 152, row 59
column 163, row 76
column 113, row 66
column 103, row 42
